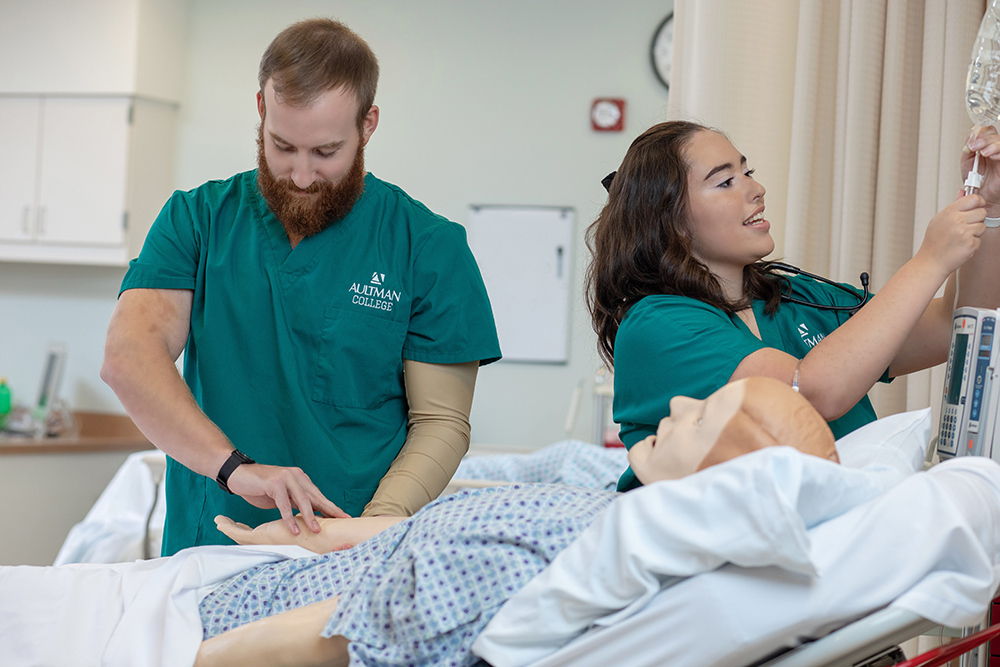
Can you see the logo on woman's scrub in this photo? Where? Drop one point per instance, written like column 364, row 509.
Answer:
column 810, row 341
column 373, row 294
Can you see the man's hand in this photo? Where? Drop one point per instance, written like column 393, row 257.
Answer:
column 270, row 487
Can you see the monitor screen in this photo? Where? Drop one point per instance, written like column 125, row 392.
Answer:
column 957, row 368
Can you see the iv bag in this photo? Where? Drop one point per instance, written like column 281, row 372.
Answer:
column 982, row 85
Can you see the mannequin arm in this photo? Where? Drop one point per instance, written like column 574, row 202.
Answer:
column 289, row 639
column 334, row 535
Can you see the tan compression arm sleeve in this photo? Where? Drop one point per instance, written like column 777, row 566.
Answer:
column 437, row 437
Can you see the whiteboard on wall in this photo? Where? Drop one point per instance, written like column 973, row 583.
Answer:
column 524, row 255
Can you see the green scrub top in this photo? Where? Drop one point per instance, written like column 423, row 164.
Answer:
column 671, row 346
column 297, row 355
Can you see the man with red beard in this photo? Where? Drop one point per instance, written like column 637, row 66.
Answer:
column 332, row 326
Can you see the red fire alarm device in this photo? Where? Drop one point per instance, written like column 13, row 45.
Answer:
column 607, row 114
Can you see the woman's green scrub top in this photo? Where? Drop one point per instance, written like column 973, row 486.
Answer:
column 297, row 355
column 671, row 346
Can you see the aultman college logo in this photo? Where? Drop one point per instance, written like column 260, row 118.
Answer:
column 374, row 294
column 810, row 341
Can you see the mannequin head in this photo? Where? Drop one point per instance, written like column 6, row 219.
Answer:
column 739, row 418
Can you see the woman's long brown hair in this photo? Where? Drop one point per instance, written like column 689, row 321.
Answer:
column 641, row 244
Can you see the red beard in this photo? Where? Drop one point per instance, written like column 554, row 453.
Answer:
column 303, row 216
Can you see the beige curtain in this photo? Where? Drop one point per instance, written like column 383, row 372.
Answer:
column 852, row 110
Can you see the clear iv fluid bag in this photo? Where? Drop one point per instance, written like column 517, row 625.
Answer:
column 982, row 85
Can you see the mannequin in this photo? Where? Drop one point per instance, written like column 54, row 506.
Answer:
column 739, row 418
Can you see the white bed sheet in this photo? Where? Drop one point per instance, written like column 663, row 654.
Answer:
column 140, row 614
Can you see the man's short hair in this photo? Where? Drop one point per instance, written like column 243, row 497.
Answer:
column 314, row 56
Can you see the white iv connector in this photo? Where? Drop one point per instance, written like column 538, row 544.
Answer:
column 973, row 180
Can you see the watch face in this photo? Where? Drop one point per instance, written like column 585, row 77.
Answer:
column 661, row 50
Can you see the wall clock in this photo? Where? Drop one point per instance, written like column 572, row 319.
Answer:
column 661, row 51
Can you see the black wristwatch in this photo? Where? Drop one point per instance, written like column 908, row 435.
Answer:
column 235, row 460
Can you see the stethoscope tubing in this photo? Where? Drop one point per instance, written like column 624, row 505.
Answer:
column 788, row 268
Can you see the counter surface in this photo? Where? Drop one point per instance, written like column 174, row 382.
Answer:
column 99, row 432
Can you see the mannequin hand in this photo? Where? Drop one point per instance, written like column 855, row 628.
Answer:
column 271, row 533
column 266, row 533
column 335, row 534
column 952, row 236
column 270, row 487
column 987, row 143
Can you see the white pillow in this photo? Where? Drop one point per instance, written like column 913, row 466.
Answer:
column 893, row 446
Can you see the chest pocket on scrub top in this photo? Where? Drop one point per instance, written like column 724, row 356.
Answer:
column 359, row 360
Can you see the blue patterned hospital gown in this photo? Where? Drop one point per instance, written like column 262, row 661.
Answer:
column 565, row 462
column 420, row 592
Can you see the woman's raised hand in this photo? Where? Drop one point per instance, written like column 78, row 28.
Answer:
column 952, row 236
column 987, row 143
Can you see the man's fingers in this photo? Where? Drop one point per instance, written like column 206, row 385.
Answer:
column 328, row 509
column 288, row 489
column 317, row 502
column 284, row 506
column 306, row 511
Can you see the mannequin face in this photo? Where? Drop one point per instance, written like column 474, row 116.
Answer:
column 741, row 417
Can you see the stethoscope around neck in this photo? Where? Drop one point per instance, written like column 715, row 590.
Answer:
column 862, row 300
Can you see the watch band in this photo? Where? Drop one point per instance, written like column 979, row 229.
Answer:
column 235, row 460
column 992, row 222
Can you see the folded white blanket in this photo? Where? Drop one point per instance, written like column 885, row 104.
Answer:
column 843, row 543
column 753, row 511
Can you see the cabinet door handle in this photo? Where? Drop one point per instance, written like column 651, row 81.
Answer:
column 41, row 221
column 26, row 221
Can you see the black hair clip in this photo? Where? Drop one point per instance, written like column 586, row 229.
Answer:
column 606, row 181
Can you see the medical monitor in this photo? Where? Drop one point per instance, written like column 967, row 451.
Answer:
column 968, row 406
column 966, row 325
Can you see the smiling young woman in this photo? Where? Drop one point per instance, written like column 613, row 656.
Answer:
column 683, row 302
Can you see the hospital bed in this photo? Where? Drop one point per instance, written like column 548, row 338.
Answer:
column 126, row 522
column 693, row 620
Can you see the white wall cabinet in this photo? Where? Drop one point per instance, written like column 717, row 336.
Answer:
column 81, row 177
column 87, row 120
column 19, row 123
column 69, row 170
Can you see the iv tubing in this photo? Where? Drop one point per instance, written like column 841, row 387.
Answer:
column 974, row 179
